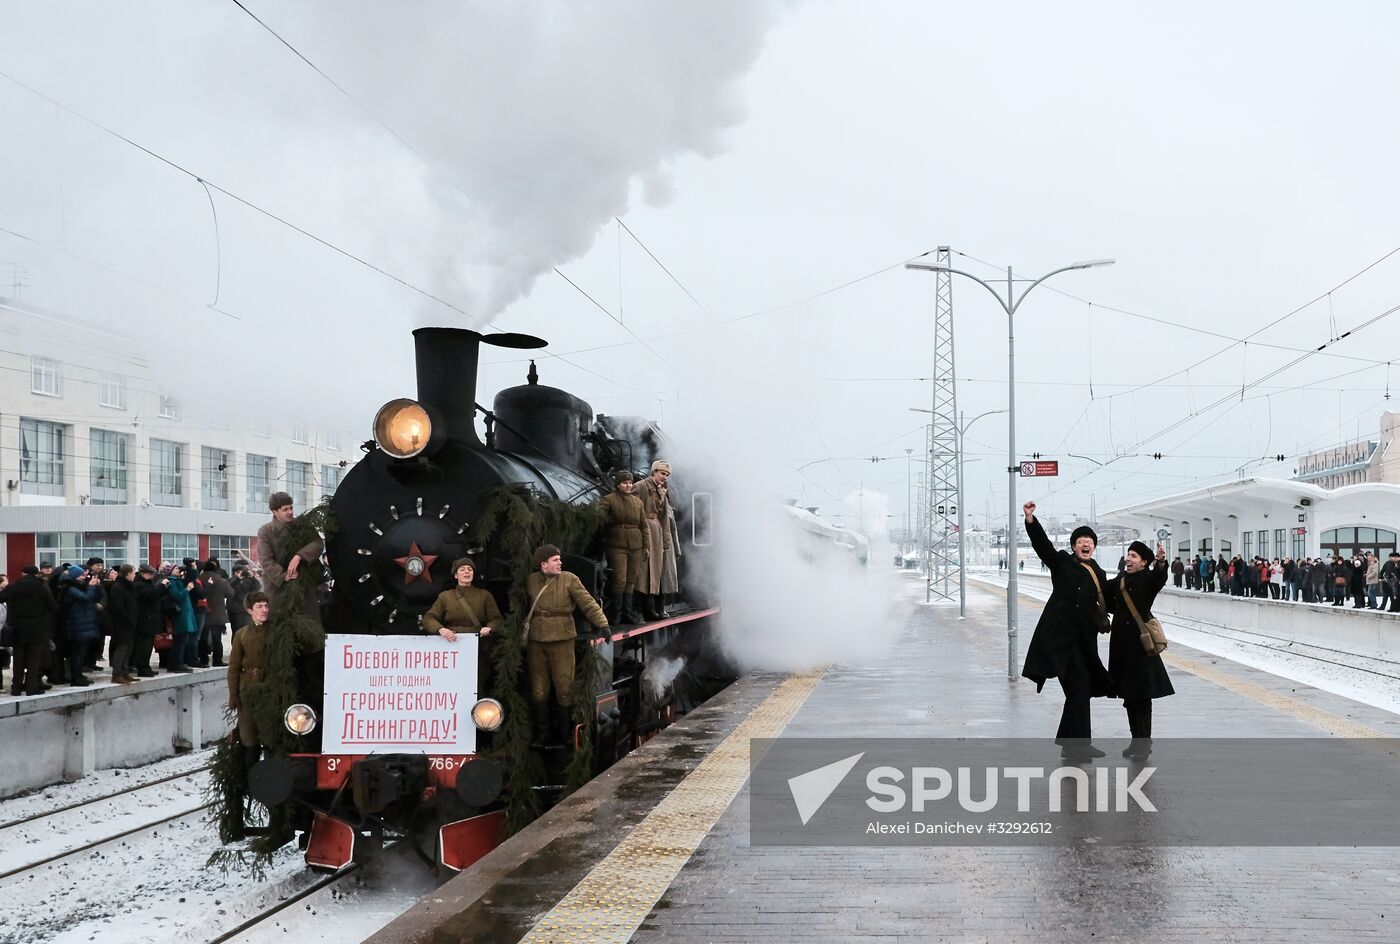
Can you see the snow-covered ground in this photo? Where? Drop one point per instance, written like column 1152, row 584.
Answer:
column 153, row 886
column 1368, row 680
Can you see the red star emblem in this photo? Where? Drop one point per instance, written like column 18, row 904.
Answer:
column 416, row 565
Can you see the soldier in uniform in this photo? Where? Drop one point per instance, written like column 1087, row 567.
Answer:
column 657, row 509
column 280, row 563
column 245, row 671
column 628, row 540
column 463, row 608
column 549, row 651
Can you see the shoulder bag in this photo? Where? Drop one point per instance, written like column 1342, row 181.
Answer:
column 1153, row 638
column 1101, row 614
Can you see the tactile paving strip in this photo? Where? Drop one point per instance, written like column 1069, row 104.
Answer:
column 612, row 900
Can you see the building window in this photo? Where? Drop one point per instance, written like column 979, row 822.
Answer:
column 1278, row 542
column 1346, row 542
column 214, row 478
column 330, row 479
column 298, row 483
column 333, row 440
column 111, row 390
column 145, row 548
column 299, row 433
column 40, row 457
column 110, row 457
column 259, row 483
column 174, row 548
column 167, row 481
column 1300, row 543
column 1248, row 540
column 45, row 377
column 228, row 548
column 169, row 407
column 75, row 547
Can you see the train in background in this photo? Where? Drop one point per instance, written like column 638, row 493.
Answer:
column 820, row 540
column 408, row 509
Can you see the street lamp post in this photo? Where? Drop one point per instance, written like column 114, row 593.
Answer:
column 1009, row 304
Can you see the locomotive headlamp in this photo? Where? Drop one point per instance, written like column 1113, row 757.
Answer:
column 402, row 428
column 300, row 719
column 488, row 714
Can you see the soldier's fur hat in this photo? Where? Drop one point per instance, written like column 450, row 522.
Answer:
column 278, row 499
column 1142, row 550
column 623, row 476
column 462, row 562
column 661, row 465
column 1084, row 531
column 544, row 552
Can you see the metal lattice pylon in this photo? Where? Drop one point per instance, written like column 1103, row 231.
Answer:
column 941, row 492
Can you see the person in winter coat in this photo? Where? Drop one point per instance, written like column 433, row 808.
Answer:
column 1178, row 568
column 1064, row 645
column 182, row 625
column 82, row 592
column 628, row 537
column 246, row 671
column 218, row 596
column 243, row 584
column 150, row 620
column 1138, row 675
column 123, row 614
column 1222, row 573
column 555, row 596
column 654, row 492
column 1390, row 582
column 1373, row 579
column 281, row 563
column 1358, row 582
column 30, row 613
column 463, row 608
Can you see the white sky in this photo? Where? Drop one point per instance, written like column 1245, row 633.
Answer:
column 1237, row 160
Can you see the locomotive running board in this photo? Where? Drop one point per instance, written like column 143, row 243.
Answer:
column 645, row 628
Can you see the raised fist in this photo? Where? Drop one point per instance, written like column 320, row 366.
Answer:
column 1029, row 509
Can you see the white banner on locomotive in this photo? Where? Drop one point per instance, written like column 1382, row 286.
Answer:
column 400, row 695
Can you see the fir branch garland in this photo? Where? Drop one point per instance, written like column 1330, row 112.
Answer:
column 515, row 520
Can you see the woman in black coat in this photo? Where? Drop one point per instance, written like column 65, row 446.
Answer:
column 1138, row 675
column 1065, row 645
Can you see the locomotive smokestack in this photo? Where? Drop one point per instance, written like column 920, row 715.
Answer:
column 447, row 365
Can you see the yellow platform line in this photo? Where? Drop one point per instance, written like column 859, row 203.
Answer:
column 1317, row 717
column 612, row 900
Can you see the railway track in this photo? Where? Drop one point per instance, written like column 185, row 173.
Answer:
column 10, row 824
column 98, row 843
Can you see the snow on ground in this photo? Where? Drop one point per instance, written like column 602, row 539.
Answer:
column 153, row 887
column 1361, row 678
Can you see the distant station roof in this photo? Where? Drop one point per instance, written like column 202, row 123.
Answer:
column 1247, row 496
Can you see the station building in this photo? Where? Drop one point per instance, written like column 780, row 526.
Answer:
column 1341, row 501
column 98, row 459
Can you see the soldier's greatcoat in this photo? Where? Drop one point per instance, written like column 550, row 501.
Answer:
column 658, row 519
column 627, row 539
column 462, row 610
column 274, row 555
column 245, row 670
column 549, row 652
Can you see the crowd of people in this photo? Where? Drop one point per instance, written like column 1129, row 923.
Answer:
column 1361, row 578
column 64, row 624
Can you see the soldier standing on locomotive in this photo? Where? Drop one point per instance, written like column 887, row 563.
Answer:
column 628, row 541
column 245, row 671
column 463, row 608
column 280, row 563
column 549, row 649
column 653, row 493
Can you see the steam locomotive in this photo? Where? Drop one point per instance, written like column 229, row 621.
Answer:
column 402, row 514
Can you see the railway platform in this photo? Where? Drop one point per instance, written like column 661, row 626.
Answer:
column 665, row 846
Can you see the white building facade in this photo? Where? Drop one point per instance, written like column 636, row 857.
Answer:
column 1271, row 518
column 98, row 459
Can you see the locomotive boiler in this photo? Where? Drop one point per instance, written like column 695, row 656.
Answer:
column 402, row 515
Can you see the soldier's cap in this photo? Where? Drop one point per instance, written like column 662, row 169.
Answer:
column 620, row 477
column 278, row 500
column 1083, row 531
column 544, row 552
